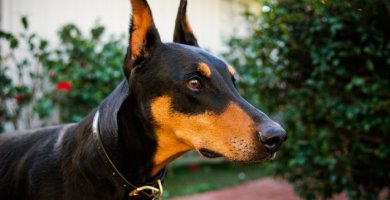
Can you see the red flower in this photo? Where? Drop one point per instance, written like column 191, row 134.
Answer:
column 64, row 86
column 192, row 167
column 53, row 74
column 19, row 98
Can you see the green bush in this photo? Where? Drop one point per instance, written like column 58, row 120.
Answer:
column 18, row 92
column 324, row 67
column 84, row 70
column 81, row 72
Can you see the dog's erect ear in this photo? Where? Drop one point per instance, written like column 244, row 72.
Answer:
column 144, row 37
column 183, row 32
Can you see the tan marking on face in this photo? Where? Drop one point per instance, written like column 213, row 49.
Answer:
column 204, row 69
column 231, row 69
column 142, row 22
column 231, row 133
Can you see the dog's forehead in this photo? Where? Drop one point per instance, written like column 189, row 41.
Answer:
column 190, row 55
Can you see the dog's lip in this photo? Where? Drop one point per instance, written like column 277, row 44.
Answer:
column 212, row 154
column 209, row 153
column 267, row 157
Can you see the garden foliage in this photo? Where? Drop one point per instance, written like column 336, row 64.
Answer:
column 85, row 68
column 18, row 92
column 72, row 77
column 324, row 67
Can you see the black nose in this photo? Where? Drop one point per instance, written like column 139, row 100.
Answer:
column 272, row 136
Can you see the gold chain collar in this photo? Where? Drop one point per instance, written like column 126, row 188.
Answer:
column 157, row 193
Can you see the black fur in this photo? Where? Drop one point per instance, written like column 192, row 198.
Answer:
column 34, row 166
column 63, row 162
column 182, row 34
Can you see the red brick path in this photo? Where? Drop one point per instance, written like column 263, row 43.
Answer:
column 263, row 189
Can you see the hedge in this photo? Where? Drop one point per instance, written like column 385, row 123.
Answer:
column 324, row 68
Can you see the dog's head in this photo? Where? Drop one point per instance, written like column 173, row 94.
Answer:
column 190, row 96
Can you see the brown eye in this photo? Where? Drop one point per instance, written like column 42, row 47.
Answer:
column 194, row 84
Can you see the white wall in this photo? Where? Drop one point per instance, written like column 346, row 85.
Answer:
column 212, row 20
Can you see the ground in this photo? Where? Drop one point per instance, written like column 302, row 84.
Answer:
column 262, row 189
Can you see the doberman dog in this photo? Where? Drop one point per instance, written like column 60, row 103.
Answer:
column 175, row 97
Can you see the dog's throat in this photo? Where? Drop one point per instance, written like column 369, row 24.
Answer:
column 168, row 149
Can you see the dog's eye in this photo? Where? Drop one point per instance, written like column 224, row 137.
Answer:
column 194, row 84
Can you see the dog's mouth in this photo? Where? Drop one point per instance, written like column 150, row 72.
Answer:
column 209, row 153
column 212, row 154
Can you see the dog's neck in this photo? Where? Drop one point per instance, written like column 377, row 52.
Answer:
column 154, row 146
column 168, row 149
column 139, row 149
column 136, row 144
column 126, row 139
column 161, row 144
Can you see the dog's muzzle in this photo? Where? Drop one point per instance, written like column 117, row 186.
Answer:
column 272, row 136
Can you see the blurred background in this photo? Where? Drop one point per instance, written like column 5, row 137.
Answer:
column 320, row 68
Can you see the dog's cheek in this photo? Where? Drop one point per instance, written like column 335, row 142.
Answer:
column 189, row 129
column 231, row 133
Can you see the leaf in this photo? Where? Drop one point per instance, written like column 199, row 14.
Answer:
column 14, row 43
column 97, row 32
column 4, row 35
column 25, row 22
column 43, row 44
